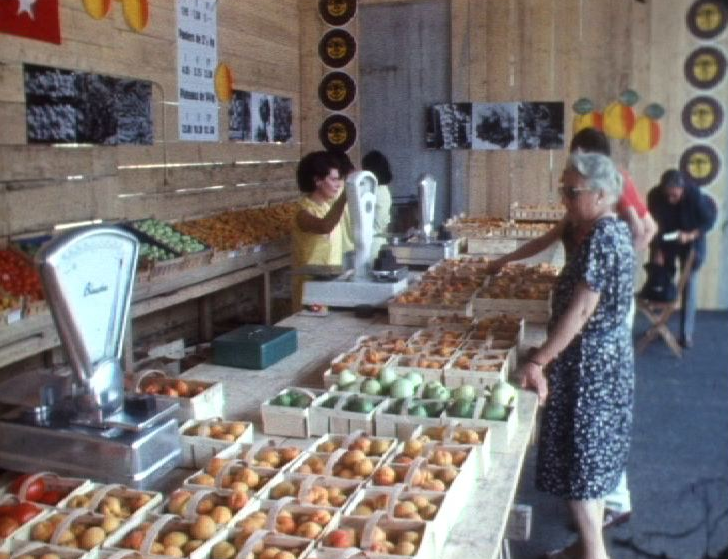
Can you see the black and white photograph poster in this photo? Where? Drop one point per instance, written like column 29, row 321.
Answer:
column 495, row 126
column 240, row 126
column 449, row 126
column 282, row 119
column 196, row 63
column 541, row 125
column 63, row 106
column 261, row 111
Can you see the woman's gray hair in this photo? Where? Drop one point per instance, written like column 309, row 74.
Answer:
column 599, row 172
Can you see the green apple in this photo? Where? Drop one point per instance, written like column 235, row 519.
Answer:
column 464, row 392
column 495, row 412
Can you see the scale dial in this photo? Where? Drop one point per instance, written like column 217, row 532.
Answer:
column 88, row 277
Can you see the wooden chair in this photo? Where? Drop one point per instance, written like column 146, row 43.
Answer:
column 659, row 312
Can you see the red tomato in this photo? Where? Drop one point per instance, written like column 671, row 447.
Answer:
column 24, row 512
column 35, row 490
column 51, row 497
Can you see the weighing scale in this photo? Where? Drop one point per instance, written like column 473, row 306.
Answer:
column 423, row 249
column 78, row 421
column 362, row 285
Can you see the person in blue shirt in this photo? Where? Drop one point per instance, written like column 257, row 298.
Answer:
column 681, row 209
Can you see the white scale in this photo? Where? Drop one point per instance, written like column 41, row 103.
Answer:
column 358, row 286
column 423, row 249
column 78, row 421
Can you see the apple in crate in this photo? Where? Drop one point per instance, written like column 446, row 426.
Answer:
column 342, row 537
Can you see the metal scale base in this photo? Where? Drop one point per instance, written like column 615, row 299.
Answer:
column 137, row 459
column 422, row 253
column 351, row 292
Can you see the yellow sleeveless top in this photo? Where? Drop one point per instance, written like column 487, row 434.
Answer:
column 311, row 248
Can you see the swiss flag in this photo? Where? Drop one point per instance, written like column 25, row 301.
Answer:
column 35, row 19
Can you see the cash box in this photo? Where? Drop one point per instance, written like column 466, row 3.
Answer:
column 254, row 346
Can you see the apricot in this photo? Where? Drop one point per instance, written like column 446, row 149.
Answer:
column 92, row 537
column 237, row 428
column 110, row 524
column 283, row 489
column 172, row 551
column 191, row 545
column 285, row 524
column 175, row 539
column 203, row 528
column 309, row 530
column 223, row 550
column 42, row 531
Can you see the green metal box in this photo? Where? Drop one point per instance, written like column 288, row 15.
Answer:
column 254, row 346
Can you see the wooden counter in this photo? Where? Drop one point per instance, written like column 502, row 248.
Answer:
column 483, row 518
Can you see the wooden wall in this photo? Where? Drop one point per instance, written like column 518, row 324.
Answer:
column 561, row 50
column 260, row 42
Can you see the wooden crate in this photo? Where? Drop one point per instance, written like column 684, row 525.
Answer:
column 492, row 245
column 479, row 375
column 420, row 315
column 534, row 213
column 399, row 424
column 531, row 310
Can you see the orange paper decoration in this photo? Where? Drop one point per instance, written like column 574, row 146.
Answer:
column 136, row 13
column 223, row 82
column 97, row 9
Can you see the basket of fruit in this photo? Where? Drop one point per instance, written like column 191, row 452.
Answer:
column 203, row 439
column 197, row 399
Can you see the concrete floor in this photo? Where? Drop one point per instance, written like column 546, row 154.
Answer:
column 678, row 469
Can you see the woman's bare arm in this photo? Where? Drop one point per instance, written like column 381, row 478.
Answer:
column 309, row 223
column 530, row 248
column 580, row 308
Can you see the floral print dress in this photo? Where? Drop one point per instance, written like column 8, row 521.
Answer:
column 587, row 420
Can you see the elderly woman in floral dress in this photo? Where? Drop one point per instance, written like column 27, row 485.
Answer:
column 584, row 373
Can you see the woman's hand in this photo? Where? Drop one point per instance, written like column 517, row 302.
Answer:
column 533, row 378
column 494, row 266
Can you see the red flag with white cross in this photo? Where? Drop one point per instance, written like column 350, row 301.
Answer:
column 34, row 19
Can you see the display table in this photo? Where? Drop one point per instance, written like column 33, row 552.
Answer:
column 484, row 515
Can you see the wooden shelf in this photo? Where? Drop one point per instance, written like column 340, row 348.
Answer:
column 36, row 334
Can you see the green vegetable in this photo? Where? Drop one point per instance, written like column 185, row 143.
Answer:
column 401, row 388
column 495, row 412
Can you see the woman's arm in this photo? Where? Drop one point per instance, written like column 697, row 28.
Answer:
column 530, row 248
column 309, row 223
column 580, row 308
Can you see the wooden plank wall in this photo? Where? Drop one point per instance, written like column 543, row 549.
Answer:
column 259, row 41
column 561, row 50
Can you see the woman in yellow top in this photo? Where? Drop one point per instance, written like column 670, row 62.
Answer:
column 316, row 230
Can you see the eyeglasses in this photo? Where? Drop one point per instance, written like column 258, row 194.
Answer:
column 572, row 192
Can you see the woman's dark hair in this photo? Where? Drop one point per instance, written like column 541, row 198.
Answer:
column 376, row 162
column 344, row 163
column 591, row 140
column 314, row 165
column 672, row 177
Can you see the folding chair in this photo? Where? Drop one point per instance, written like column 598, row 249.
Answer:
column 659, row 312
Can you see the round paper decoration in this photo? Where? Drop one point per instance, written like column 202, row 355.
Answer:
column 337, row 48
column 136, row 13
column 707, row 19
column 337, row 91
column 337, row 12
column 700, row 163
column 702, row 116
column 223, row 82
column 338, row 133
column 705, row 67
column 97, row 9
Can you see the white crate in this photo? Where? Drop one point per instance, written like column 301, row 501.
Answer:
column 502, row 432
column 401, row 425
column 289, row 421
column 185, row 502
column 306, row 489
column 300, row 547
column 404, row 364
column 18, row 548
column 340, row 420
column 73, row 517
column 207, row 402
column 92, row 498
column 197, row 450
column 363, row 528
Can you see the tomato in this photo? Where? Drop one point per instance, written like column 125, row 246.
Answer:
column 24, row 512
column 51, row 497
column 34, row 491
